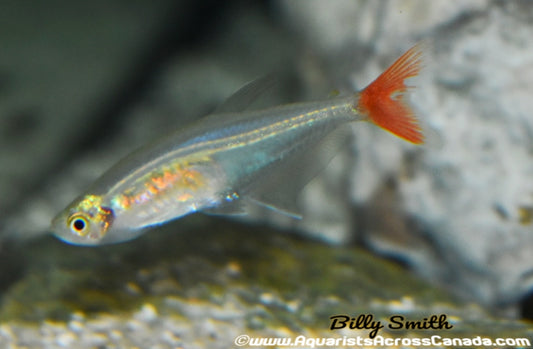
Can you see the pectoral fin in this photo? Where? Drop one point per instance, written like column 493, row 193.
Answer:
column 227, row 208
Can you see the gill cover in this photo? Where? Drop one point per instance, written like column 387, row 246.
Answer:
column 87, row 221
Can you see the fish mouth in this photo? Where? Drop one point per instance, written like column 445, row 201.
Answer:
column 56, row 224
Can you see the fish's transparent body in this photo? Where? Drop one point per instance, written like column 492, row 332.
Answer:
column 233, row 158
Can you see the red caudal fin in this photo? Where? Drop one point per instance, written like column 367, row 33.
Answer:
column 383, row 101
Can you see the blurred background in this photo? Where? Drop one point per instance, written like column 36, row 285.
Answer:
column 84, row 83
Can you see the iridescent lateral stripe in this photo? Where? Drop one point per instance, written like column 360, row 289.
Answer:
column 245, row 138
column 261, row 133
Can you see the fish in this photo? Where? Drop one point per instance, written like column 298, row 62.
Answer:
column 233, row 158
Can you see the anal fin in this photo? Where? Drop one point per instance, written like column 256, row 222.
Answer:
column 279, row 187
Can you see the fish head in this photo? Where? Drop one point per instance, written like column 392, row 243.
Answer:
column 84, row 222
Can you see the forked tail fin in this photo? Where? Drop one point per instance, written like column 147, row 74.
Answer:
column 383, row 101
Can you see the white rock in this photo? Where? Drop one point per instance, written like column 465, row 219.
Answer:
column 470, row 188
column 147, row 313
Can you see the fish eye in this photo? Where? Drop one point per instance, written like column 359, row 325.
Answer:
column 78, row 224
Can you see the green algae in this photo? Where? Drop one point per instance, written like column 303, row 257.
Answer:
column 280, row 279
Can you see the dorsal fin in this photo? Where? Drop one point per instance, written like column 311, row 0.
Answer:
column 246, row 95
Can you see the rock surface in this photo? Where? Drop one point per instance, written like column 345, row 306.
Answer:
column 201, row 283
